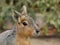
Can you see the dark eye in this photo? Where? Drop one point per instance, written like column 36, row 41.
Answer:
column 24, row 23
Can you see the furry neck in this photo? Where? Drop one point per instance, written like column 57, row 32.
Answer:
column 22, row 40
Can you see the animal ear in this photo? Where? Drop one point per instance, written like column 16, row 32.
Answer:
column 24, row 8
column 16, row 15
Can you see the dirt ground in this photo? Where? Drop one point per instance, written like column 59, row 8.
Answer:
column 45, row 41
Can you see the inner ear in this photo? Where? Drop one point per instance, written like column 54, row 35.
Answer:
column 16, row 15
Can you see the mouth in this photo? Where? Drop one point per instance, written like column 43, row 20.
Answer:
column 37, row 34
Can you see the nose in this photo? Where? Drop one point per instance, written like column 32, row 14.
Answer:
column 37, row 31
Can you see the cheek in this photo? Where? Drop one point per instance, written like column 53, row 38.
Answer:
column 19, row 28
column 28, row 32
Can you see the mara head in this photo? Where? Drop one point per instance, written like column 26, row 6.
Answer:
column 25, row 24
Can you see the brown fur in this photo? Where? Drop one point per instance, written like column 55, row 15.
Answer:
column 25, row 28
column 20, row 35
column 23, row 37
column 22, row 40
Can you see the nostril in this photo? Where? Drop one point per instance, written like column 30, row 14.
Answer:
column 37, row 31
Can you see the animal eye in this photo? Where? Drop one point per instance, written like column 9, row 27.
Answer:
column 24, row 23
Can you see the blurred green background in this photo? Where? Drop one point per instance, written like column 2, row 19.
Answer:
column 46, row 12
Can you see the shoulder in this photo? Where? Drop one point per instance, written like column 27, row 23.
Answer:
column 5, row 34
